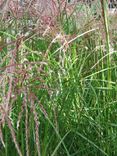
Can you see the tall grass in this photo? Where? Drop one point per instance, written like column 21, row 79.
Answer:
column 58, row 81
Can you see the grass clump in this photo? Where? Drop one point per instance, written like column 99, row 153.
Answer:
column 58, row 72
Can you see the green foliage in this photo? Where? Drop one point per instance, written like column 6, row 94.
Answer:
column 62, row 102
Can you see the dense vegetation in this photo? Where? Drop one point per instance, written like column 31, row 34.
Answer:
column 58, row 80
